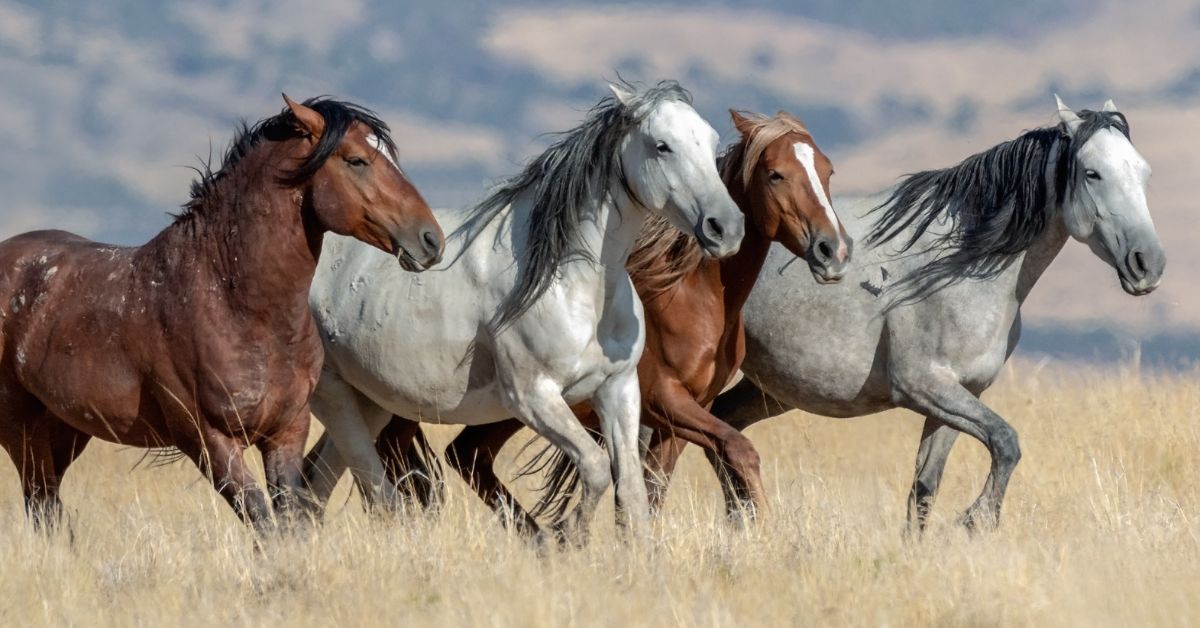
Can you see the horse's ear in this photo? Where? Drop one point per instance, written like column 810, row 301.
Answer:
column 622, row 95
column 1109, row 106
column 1067, row 115
column 741, row 122
column 309, row 119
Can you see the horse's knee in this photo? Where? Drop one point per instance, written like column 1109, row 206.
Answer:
column 741, row 453
column 1006, row 447
column 594, row 474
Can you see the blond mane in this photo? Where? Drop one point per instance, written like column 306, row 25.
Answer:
column 663, row 255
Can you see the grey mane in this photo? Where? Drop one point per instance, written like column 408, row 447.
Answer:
column 999, row 201
column 571, row 176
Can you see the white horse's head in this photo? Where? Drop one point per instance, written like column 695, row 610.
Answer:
column 1105, row 204
column 669, row 161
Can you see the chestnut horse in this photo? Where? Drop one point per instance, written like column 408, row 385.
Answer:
column 694, row 337
column 200, row 340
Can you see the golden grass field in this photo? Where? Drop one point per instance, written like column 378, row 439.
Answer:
column 1101, row 528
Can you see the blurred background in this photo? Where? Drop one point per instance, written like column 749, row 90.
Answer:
column 104, row 106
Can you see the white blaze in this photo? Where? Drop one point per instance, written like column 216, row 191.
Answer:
column 377, row 144
column 807, row 158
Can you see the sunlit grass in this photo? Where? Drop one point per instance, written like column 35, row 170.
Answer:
column 1101, row 527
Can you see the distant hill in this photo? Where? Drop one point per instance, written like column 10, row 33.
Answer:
column 107, row 104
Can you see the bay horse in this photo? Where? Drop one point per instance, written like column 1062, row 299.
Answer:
column 931, row 308
column 200, row 340
column 694, row 339
column 533, row 310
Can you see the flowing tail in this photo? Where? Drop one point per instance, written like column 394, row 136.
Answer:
column 561, row 484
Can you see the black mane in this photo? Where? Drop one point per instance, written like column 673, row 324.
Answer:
column 999, row 201
column 339, row 117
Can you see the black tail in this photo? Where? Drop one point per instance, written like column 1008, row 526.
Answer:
column 561, row 484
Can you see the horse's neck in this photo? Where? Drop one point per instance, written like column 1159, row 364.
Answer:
column 609, row 231
column 1039, row 256
column 1047, row 245
column 739, row 272
column 254, row 240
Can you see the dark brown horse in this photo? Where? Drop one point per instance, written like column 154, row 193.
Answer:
column 201, row 340
column 694, row 337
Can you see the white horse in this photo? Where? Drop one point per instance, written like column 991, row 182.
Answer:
column 532, row 311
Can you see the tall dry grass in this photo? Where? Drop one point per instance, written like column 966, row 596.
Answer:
column 1101, row 527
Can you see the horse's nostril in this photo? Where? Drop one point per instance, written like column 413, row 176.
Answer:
column 824, row 250
column 715, row 230
column 1139, row 264
column 431, row 241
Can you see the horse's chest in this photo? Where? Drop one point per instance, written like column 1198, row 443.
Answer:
column 251, row 383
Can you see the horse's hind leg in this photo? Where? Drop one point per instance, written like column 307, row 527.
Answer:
column 410, row 463
column 322, row 469
column 351, row 422
column 473, row 455
column 937, row 439
column 662, row 453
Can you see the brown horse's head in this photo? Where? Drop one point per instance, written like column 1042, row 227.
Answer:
column 355, row 188
column 786, row 178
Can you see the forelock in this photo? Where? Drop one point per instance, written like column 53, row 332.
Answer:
column 763, row 133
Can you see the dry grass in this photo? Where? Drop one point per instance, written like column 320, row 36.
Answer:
column 1102, row 527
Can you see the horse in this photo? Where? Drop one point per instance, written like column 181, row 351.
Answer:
column 533, row 311
column 694, row 340
column 201, row 340
column 931, row 308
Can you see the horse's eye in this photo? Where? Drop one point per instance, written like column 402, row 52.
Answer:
column 774, row 177
column 1092, row 174
column 662, row 147
column 357, row 162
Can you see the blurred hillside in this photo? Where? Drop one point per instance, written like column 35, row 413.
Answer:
column 106, row 104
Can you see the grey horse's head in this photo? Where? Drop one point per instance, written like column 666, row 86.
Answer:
column 669, row 160
column 1105, row 206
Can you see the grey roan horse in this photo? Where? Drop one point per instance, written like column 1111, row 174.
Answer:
column 930, row 309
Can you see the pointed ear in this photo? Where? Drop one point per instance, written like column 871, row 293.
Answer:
column 309, row 119
column 1066, row 115
column 623, row 95
column 1109, row 106
column 741, row 122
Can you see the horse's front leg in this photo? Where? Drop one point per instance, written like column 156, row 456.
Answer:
column 221, row 458
column 940, row 396
column 539, row 404
column 733, row 455
column 618, row 404
column 283, row 458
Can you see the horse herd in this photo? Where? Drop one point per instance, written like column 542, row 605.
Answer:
column 622, row 296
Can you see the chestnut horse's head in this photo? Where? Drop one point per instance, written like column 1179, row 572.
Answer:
column 785, row 177
column 354, row 186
